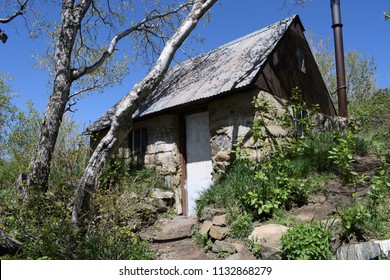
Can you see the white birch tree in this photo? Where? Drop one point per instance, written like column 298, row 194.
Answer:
column 80, row 53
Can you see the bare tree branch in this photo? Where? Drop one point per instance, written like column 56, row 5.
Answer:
column 19, row 12
column 77, row 73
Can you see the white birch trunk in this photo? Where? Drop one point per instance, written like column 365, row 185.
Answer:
column 122, row 120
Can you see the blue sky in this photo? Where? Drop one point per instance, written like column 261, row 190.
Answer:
column 364, row 29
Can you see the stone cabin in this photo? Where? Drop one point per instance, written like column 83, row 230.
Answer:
column 186, row 129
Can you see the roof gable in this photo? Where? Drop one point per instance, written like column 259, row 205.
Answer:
column 226, row 68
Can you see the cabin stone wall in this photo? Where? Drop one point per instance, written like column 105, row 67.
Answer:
column 231, row 121
column 162, row 151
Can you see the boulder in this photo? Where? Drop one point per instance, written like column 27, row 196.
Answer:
column 178, row 228
column 219, row 220
column 371, row 250
column 269, row 236
column 205, row 227
column 239, row 247
column 218, row 232
column 208, row 213
column 270, row 253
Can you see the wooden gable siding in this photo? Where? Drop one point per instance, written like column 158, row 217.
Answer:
column 281, row 74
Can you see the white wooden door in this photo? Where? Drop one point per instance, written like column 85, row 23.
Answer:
column 198, row 164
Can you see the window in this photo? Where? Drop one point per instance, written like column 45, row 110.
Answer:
column 300, row 60
column 138, row 140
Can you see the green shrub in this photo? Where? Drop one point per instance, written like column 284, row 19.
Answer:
column 114, row 173
column 118, row 243
column 307, row 242
column 369, row 218
column 342, row 157
column 240, row 224
column 277, row 188
column 354, row 221
column 41, row 223
column 316, row 151
column 254, row 247
column 360, row 146
column 258, row 189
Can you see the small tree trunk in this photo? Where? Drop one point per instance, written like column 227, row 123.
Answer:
column 121, row 123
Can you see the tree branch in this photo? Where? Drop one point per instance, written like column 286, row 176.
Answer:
column 77, row 73
column 17, row 13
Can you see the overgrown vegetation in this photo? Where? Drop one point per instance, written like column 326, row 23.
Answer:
column 370, row 217
column 280, row 183
column 252, row 191
column 42, row 222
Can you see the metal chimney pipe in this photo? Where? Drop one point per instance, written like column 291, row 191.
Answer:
column 339, row 50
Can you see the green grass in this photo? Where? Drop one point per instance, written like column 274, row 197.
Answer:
column 232, row 186
column 240, row 223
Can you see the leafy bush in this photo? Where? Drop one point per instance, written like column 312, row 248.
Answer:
column 118, row 243
column 374, row 116
column 313, row 152
column 240, row 224
column 354, row 221
column 380, row 189
column 259, row 189
column 277, row 188
column 343, row 158
column 254, row 247
column 307, row 242
column 369, row 218
column 41, row 222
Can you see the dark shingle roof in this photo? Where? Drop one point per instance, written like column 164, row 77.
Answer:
column 231, row 66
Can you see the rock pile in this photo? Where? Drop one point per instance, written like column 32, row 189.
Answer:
column 214, row 226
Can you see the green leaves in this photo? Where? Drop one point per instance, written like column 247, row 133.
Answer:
column 307, row 242
column 343, row 159
column 354, row 219
column 277, row 188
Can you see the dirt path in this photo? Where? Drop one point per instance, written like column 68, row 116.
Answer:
column 170, row 240
column 185, row 249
